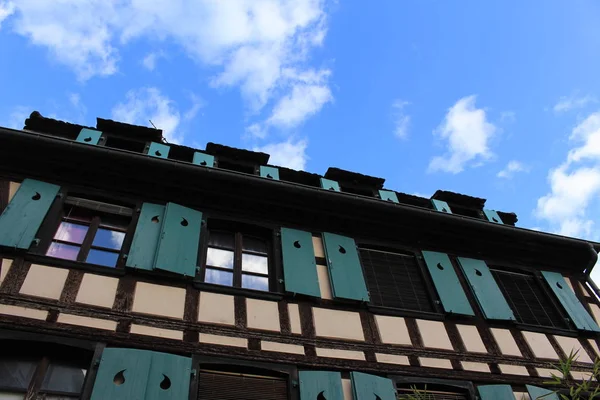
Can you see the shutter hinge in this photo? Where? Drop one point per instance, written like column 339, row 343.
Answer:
column 280, row 280
column 60, row 195
column 197, row 269
column 125, row 256
column 294, row 383
column 193, row 372
column 35, row 242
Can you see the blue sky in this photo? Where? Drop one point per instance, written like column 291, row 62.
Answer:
column 494, row 99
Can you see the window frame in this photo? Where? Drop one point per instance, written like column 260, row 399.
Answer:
column 437, row 314
column 56, row 215
column 275, row 268
column 466, row 387
column 200, row 361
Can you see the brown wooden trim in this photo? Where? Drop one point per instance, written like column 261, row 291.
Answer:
column 366, row 324
column 556, row 346
column 192, row 297
column 124, row 325
column 16, row 276
column 38, row 376
column 90, row 377
column 241, row 312
column 52, row 316
column 414, row 361
column 4, row 193
column 413, row 331
column 588, row 348
column 455, row 337
column 307, row 321
column 71, row 287
column 285, row 326
column 125, row 294
column 522, row 343
column 254, row 344
column 456, row 365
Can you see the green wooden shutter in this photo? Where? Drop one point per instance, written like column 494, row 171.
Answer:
column 441, row 206
column 388, row 195
column 169, row 377
column 313, row 383
column 328, row 184
column 122, row 375
column 580, row 317
column 179, row 239
column 371, row 387
column 89, row 136
column 488, row 294
column 345, row 271
column 145, row 240
column 540, row 393
column 493, row 216
column 299, row 266
column 158, row 150
column 454, row 300
column 23, row 216
column 496, row 392
column 269, row 172
column 205, row 160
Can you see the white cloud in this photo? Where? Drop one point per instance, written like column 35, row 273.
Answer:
column 511, row 169
column 287, row 154
column 401, row 120
column 149, row 62
column 508, row 116
column 467, row 132
column 197, row 104
column 17, row 117
column 6, row 9
column 573, row 102
column 575, row 184
column 148, row 104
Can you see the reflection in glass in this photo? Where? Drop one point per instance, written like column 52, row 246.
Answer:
column 218, row 277
column 16, row 374
column 64, row 251
column 219, row 258
column 108, row 239
column 70, row 232
column 101, row 257
column 63, row 378
column 252, row 263
column 255, row 245
column 221, row 239
column 255, row 282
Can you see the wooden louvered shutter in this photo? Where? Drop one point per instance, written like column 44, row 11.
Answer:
column 299, row 266
column 269, row 172
column 89, row 136
column 453, row 298
column 495, row 392
column 541, row 393
column 23, row 216
column 345, row 271
column 215, row 385
column 122, row 375
column 368, row 387
column 145, row 240
column 404, row 393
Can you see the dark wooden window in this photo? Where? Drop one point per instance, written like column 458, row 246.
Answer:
column 238, row 255
column 125, row 144
column 90, row 231
column 528, row 300
column 41, row 370
column 429, row 393
column 395, row 280
column 222, row 385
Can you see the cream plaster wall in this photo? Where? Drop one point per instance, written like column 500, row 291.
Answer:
column 166, row 301
column 506, row 342
column 89, row 322
column 263, row 315
column 471, row 338
column 4, row 268
column 43, row 281
column 23, row 312
column 216, row 308
column 294, row 313
column 434, row 334
column 97, row 290
column 435, row 363
column 12, row 189
column 392, row 359
column 223, row 340
column 475, row 366
column 568, row 344
column 318, row 247
column 513, row 369
column 157, row 332
column 540, row 345
column 347, row 389
column 324, row 282
column 282, row 347
column 345, row 354
column 337, row 324
column 392, row 330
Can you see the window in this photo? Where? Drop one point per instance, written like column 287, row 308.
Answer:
column 527, row 299
column 125, row 144
column 237, row 257
column 429, row 392
column 395, row 280
column 90, row 232
column 223, row 385
column 42, row 371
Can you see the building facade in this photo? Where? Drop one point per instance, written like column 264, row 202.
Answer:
column 136, row 269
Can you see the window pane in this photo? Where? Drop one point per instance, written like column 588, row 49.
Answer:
column 63, row 378
column 16, row 374
column 219, row 258
column 221, row 239
column 109, row 239
column 101, row 257
column 254, row 244
column 70, row 232
column 11, row 396
column 218, row 277
column 255, row 282
column 252, row 263
column 64, row 251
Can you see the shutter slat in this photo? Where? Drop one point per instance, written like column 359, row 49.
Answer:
column 299, row 266
column 488, row 294
column 579, row 315
column 454, row 300
column 89, row 136
column 538, row 392
column 313, row 383
column 269, row 172
column 23, row 216
column 169, row 377
column 122, row 375
column 347, row 280
column 145, row 240
column 179, row 240
column 369, row 387
column 496, row 392
column 224, row 386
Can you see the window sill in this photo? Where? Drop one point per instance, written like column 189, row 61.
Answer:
column 256, row 294
column 405, row 313
column 59, row 262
